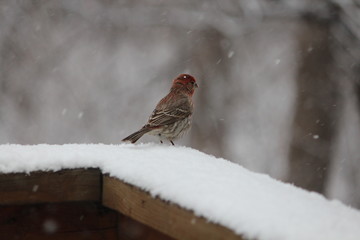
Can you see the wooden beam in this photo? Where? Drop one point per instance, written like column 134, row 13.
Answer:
column 55, row 221
column 130, row 229
column 158, row 214
column 41, row 187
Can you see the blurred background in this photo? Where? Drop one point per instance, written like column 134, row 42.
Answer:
column 279, row 79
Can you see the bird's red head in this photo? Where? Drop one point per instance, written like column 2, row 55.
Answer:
column 185, row 81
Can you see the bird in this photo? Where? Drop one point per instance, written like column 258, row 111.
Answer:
column 171, row 117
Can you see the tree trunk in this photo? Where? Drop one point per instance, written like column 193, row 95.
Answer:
column 314, row 123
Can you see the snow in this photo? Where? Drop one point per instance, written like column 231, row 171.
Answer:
column 251, row 204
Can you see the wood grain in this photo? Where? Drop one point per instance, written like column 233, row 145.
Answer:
column 41, row 187
column 158, row 214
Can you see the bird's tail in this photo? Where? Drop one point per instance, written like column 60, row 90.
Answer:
column 136, row 135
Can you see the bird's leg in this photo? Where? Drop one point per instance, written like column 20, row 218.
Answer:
column 161, row 141
column 160, row 138
column 172, row 142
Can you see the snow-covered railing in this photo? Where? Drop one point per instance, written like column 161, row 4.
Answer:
column 179, row 191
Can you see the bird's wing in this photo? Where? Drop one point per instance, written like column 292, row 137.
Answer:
column 171, row 114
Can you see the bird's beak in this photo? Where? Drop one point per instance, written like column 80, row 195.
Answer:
column 195, row 85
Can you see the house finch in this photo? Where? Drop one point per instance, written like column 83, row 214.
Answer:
column 171, row 116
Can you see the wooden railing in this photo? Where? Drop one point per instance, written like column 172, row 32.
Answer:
column 90, row 185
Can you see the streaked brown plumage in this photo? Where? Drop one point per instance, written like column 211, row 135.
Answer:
column 171, row 116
